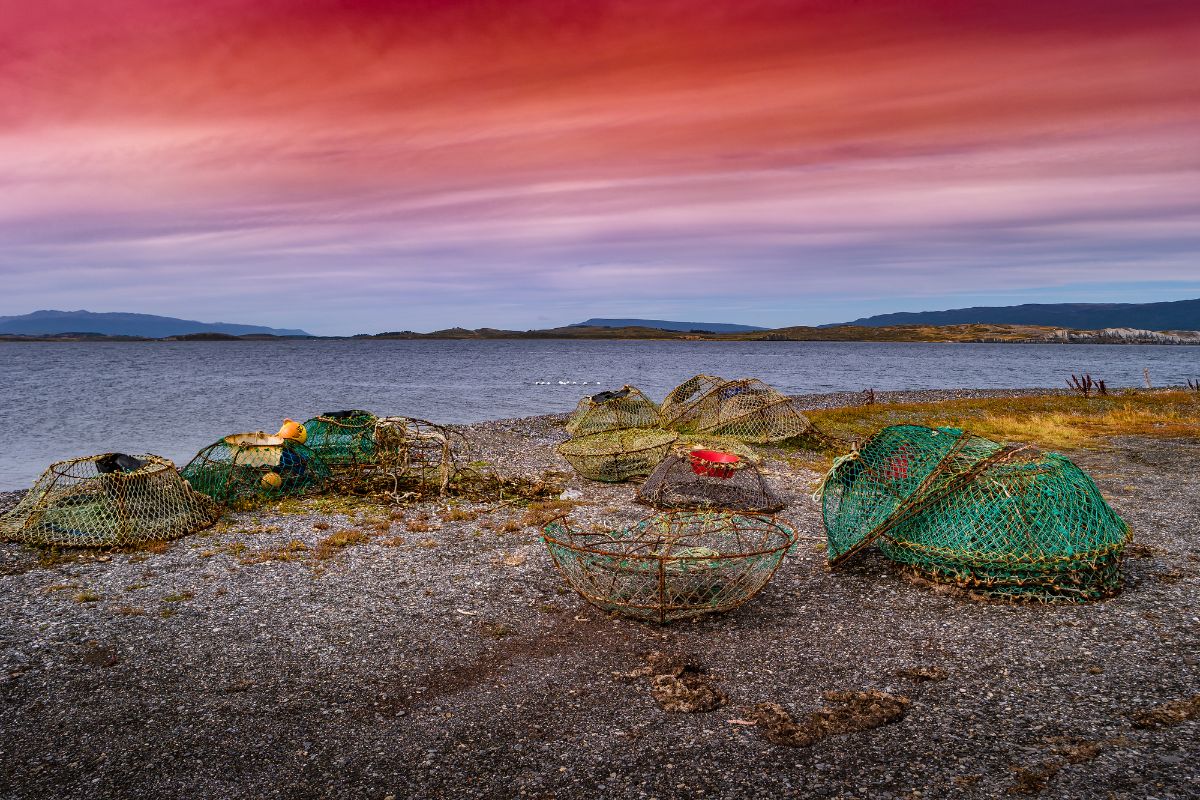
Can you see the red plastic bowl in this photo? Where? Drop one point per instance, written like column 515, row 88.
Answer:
column 713, row 463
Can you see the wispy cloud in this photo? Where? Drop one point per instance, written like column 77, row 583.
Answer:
column 372, row 166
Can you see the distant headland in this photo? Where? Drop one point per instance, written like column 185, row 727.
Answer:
column 1110, row 323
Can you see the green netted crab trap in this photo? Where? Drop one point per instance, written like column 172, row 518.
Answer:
column 344, row 440
column 626, row 407
column 615, row 456
column 249, row 466
column 671, row 566
column 1002, row 521
column 724, row 475
column 108, row 500
column 745, row 409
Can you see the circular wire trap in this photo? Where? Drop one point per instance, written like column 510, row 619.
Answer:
column 671, row 566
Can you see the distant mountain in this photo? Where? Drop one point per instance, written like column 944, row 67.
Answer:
column 666, row 325
column 1178, row 315
column 44, row 323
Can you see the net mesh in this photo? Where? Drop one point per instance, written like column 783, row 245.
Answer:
column 689, row 478
column 626, row 407
column 671, row 566
column 103, row 501
column 248, row 467
column 1006, row 522
column 615, row 456
column 746, row 409
column 344, row 440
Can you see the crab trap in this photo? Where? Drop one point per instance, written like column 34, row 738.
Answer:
column 726, row 476
column 745, row 409
column 626, row 407
column 619, row 455
column 344, row 440
column 1001, row 521
column 410, row 450
column 245, row 467
column 108, row 500
column 671, row 566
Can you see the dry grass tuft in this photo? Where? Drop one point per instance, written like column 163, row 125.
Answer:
column 291, row 551
column 130, row 611
column 330, row 545
column 540, row 513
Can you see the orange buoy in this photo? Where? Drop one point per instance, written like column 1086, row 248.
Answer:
column 293, row 430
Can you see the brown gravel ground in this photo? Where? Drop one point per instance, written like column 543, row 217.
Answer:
column 445, row 658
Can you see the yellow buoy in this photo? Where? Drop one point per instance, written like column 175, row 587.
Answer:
column 293, row 430
column 271, row 480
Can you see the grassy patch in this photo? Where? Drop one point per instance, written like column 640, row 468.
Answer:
column 459, row 515
column 1049, row 421
column 331, row 544
column 289, row 552
column 130, row 611
column 540, row 513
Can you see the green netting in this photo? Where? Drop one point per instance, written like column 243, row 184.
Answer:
column 245, row 467
column 746, row 409
column 615, row 456
column 1008, row 522
column 626, row 407
column 106, row 500
column 345, row 440
column 671, row 566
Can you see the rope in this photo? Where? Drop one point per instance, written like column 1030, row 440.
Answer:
column 819, row 494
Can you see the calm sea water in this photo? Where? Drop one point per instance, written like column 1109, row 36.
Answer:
column 63, row 400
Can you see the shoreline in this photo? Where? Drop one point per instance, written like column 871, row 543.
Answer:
column 808, row 401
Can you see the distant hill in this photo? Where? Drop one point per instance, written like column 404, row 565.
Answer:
column 1178, row 315
column 44, row 323
column 667, row 325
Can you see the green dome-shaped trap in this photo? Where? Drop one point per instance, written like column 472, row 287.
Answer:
column 245, row 467
column 1007, row 522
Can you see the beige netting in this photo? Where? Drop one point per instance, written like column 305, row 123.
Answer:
column 626, row 407
column 746, row 409
column 617, row 455
column 106, row 500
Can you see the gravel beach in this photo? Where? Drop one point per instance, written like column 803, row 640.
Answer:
column 440, row 654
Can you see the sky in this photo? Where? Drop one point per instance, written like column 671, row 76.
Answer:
column 355, row 167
